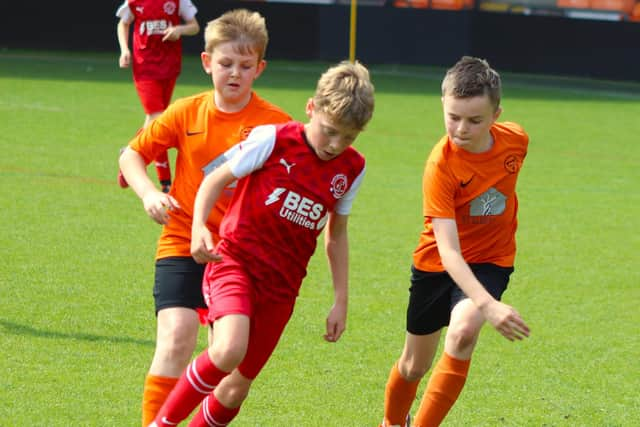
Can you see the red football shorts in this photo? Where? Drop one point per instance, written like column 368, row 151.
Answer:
column 155, row 95
column 228, row 289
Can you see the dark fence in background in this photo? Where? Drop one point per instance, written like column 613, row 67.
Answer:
column 385, row 35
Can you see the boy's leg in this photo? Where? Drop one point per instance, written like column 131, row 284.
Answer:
column 268, row 322
column 450, row 373
column 155, row 96
column 231, row 334
column 161, row 162
column 449, row 376
column 198, row 380
column 176, row 339
column 398, row 397
column 405, row 376
column 163, row 167
column 235, row 387
column 122, row 181
column 177, row 290
column 156, row 390
column 443, row 389
column 427, row 313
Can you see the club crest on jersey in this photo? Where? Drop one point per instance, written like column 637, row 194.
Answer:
column 169, row 8
column 245, row 131
column 298, row 209
column 512, row 164
column 339, row 185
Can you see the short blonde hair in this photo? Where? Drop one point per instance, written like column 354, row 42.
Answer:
column 471, row 77
column 242, row 26
column 345, row 93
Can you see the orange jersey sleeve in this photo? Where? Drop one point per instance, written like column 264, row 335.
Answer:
column 201, row 134
column 479, row 192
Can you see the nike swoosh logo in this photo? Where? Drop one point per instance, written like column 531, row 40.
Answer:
column 196, row 132
column 464, row 184
column 166, row 421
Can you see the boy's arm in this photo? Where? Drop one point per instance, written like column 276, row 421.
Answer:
column 501, row 316
column 189, row 28
column 155, row 202
column 337, row 250
column 202, row 245
column 123, row 42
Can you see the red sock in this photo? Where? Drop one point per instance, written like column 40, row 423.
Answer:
column 163, row 168
column 398, row 397
column 445, row 385
column 213, row 413
column 198, row 380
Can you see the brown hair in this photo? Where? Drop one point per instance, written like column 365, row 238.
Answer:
column 471, row 77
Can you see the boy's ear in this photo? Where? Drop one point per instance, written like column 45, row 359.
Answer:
column 262, row 64
column 309, row 107
column 206, row 62
column 497, row 113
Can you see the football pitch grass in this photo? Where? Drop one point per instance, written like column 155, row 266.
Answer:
column 76, row 311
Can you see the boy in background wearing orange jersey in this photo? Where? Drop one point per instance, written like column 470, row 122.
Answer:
column 157, row 58
column 201, row 128
column 466, row 251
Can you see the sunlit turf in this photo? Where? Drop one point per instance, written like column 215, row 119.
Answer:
column 76, row 311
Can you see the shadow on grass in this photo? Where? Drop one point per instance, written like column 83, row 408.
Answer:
column 18, row 329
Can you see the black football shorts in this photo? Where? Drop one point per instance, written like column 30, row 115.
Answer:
column 433, row 295
column 178, row 283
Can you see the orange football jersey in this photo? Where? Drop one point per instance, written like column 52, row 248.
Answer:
column 201, row 134
column 479, row 192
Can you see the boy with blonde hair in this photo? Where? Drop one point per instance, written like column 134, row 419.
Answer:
column 201, row 128
column 292, row 180
column 466, row 252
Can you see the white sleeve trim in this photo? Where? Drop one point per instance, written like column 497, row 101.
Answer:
column 187, row 10
column 124, row 13
column 250, row 154
column 343, row 207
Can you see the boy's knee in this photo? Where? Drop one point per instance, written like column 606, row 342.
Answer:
column 235, row 395
column 412, row 370
column 463, row 336
column 175, row 348
column 227, row 357
column 233, row 390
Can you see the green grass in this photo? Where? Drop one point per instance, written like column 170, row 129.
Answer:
column 76, row 311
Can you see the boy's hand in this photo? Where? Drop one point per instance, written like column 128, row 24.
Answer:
column 125, row 59
column 506, row 320
column 336, row 322
column 157, row 204
column 172, row 34
column 202, row 245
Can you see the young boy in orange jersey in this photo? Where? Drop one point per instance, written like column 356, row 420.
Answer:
column 201, row 128
column 293, row 179
column 157, row 58
column 466, row 251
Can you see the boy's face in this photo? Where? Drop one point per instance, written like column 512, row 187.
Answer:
column 325, row 136
column 232, row 74
column 468, row 121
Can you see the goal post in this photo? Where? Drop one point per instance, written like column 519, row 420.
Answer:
column 352, row 31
